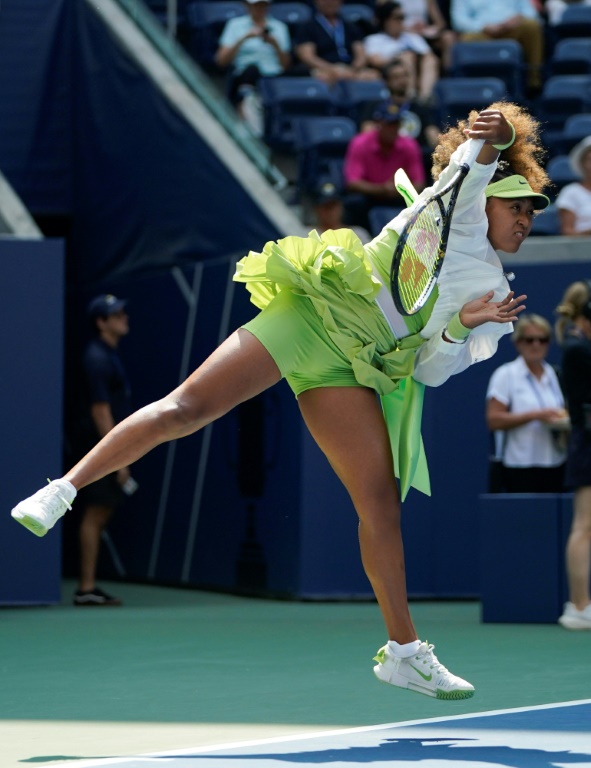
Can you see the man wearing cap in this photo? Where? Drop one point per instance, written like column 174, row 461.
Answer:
column 254, row 45
column 574, row 200
column 329, row 209
column 374, row 156
column 107, row 402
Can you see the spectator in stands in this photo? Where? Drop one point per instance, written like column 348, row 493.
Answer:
column 514, row 19
column 327, row 201
column 574, row 200
column 106, row 402
column 525, row 409
column 573, row 330
column 374, row 156
column 425, row 18
column 555, row 9
column 254, row 45
column 392, row 43
column 331, row 48
column 419, row 119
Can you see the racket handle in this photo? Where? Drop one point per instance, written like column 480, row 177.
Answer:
column 472, row 151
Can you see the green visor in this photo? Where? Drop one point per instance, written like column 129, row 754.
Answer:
column 514, row 187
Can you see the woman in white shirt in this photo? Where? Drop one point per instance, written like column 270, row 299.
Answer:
column 525, row 409
column 393, row 42
column 574, row 200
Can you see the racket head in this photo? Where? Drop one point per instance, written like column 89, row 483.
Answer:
column 418, row 256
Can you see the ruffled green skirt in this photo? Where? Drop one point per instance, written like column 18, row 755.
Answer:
column 332, row 273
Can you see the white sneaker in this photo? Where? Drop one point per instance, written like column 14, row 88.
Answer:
column 421, row 672
column 42, row 510
column 572, row 618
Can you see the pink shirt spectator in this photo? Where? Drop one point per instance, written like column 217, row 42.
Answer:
column 366, row 160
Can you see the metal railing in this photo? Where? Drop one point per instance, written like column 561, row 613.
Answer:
column 200, row 84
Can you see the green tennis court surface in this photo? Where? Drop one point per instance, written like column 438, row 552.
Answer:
column 176, row 670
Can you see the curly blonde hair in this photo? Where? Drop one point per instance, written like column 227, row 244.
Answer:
column 524, row 157
column 574, row 299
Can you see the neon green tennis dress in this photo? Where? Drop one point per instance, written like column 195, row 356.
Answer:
column 322, row 326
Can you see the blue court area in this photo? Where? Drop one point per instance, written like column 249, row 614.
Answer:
column 533, row 737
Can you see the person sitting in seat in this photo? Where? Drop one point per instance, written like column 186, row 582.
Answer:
column 331, row 48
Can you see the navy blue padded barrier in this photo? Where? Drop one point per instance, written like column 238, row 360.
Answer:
column 31, row 339
column 298, row 537
column 522, row 560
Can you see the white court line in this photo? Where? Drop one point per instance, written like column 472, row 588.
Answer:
column 315, row 735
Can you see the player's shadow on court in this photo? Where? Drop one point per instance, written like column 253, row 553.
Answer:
column 393, row 750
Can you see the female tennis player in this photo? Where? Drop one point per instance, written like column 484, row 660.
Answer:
column 322, row 326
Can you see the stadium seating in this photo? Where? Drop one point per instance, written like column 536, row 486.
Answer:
column 560, row 172
column 572, row 56
column 361, row 15
column 479, row 59
column 352, row 97
column 206, row 21
column 457, row 96
column 321, row 143
column 563, row 96
column 546, row 222
column 575, row 22
column 577, row 127
column 285, row 100
column 380, row 216
column 293, row 14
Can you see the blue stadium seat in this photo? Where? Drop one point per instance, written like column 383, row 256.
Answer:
column 479, row 59
column 206, row 21
column 380, row 216
column 577, row 127
column 457, row 96
column 293, row 14
column 352, row 97
column 563, row 96
column 546, row 222
column 319, row 142
column 285, row 100
column 572, row 56
column 575, row 22
column 560, row 173
column 361, row 15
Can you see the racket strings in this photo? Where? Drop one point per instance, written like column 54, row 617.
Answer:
column 420, row 255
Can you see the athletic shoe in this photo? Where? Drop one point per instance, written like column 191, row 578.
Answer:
column 421, row 672
column 94, row 597
column 41, row 511
column 572, row 618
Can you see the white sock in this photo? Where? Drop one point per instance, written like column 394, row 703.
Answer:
column 404, row 651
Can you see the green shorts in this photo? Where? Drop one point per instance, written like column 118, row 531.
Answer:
column 293, row 334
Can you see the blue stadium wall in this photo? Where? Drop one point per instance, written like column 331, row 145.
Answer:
column 249, row 504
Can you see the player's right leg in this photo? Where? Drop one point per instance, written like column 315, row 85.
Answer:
column 239, row 369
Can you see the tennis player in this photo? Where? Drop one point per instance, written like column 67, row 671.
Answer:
column 323, row 326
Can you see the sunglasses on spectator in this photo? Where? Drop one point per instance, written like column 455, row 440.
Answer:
column 397, row 16
column 533, row 339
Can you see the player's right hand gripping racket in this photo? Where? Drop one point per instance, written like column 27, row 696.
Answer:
column 421, row 247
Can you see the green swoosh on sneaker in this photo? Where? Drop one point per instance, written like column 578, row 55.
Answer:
column 427, row 678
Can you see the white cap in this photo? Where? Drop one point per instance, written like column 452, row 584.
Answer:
column 575, row 156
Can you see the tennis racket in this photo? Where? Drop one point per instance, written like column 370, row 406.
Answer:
column 422, row 244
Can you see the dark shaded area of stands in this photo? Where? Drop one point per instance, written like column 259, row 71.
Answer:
column 85, row 136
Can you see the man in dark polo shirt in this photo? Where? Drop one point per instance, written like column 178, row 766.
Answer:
column 108, row 401
column 330, row 48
